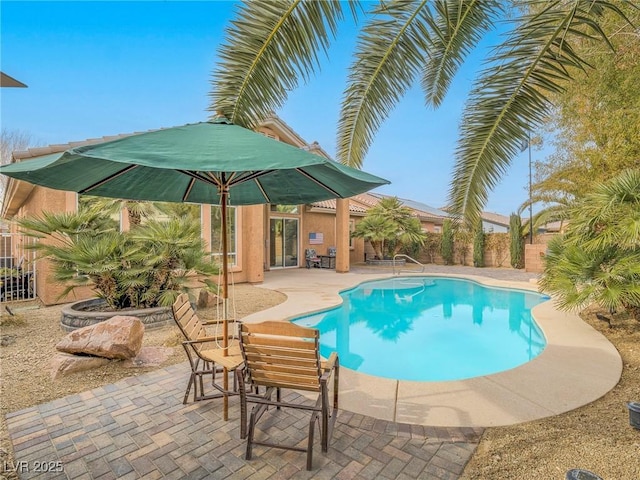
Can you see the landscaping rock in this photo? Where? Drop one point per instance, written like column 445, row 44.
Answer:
column 149, row 357
column 65, row 364
column 207, row 299
column 119, row 337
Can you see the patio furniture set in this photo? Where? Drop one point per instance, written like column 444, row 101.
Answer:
column 320, row 261
column 265, row 358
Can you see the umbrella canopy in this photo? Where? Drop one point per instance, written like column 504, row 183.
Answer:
column 210, row 162
column 182, row 164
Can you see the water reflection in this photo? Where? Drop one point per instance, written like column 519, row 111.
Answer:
column 447, row 328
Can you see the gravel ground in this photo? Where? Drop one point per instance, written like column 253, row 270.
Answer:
column 595, row 437
column 28, row 343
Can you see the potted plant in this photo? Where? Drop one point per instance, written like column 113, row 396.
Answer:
column 142, row 269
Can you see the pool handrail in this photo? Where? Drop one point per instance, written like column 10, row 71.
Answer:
column 408, row 258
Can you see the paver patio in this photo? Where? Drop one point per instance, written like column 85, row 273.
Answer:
column 139, row 428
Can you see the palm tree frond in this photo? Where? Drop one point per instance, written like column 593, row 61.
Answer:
column 268, row 47
column 457, row 27
column 388, row 58
column 513, row 93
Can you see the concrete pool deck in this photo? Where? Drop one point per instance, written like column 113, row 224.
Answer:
column 578, row 366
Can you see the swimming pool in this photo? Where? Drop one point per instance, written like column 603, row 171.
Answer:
column 430, row 328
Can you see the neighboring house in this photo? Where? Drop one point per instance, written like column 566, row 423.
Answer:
column 264, row 237
column 494, row 223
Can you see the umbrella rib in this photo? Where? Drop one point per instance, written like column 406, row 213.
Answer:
column 250, row 176
column 264, row 194
column 188, row 190
column 202, row 178
column 326, row 187
column 108, row 179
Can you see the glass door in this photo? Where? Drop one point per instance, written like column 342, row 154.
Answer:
column 283, row 248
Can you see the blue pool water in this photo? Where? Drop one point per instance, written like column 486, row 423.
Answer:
column 430, row 329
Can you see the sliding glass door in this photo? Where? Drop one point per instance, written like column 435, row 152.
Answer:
column 283, row 248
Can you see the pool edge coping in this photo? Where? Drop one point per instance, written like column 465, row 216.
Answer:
column 578, row 366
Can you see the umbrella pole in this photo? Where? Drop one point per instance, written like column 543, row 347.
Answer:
column 225, row 295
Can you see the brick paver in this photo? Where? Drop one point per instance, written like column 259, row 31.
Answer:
column 139, row 428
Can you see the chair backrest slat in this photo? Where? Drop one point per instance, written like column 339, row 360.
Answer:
column 269, row 355
column 297, row 382
column 281, row 354
column 282, row 343
column 188, row 320
column 283, row 368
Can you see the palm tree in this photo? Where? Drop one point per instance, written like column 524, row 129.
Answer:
column 271, row 46
column 136, row 209
column 389, row 226
column 598, row 259
column 148, row 266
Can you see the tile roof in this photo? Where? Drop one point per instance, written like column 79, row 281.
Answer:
column 331, row 205
column 495, row 218
column 61, row 147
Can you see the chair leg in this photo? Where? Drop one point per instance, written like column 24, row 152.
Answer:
column 200, row 375
column 192, row 382
column 312, row 424
column 239, row 378
column 252, row 427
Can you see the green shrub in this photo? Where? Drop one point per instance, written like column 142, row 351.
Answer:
column 446, row 249
column 478, row 245
column 517, row 243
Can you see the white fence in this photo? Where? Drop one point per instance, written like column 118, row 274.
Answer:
column 17, row 267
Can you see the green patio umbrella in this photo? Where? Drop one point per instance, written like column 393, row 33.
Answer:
column 209, row 162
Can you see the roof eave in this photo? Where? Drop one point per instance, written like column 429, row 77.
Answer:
column 15, row 195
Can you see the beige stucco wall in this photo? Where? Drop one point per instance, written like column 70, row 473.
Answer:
column 325, row 223
column 318, row 222
column 534, row 254
column 47, row 200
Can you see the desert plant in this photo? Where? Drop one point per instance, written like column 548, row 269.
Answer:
column 478, row 245
column 598, row 259
column 516, row 244
column 145, row 267
column 446, row 249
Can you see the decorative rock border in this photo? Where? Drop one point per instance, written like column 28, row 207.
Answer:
column 89, row 312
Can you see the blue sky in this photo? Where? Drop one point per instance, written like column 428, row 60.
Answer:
column 102, row 68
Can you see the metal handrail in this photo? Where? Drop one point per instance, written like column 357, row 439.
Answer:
column 409, row 258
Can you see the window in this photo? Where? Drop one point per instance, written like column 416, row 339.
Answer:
column 352, row 227
column 216, row 234
column 437, row 229
column 284, row 208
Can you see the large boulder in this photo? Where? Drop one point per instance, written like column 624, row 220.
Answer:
column 207, row 299
column 64, row 364
column 120, row 337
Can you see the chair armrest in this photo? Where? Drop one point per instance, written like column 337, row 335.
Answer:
column 218, row 322
column 204, row 340
column 329, row 365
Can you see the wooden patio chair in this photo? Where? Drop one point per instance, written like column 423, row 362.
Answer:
column 281, row 355
column 204, row 351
